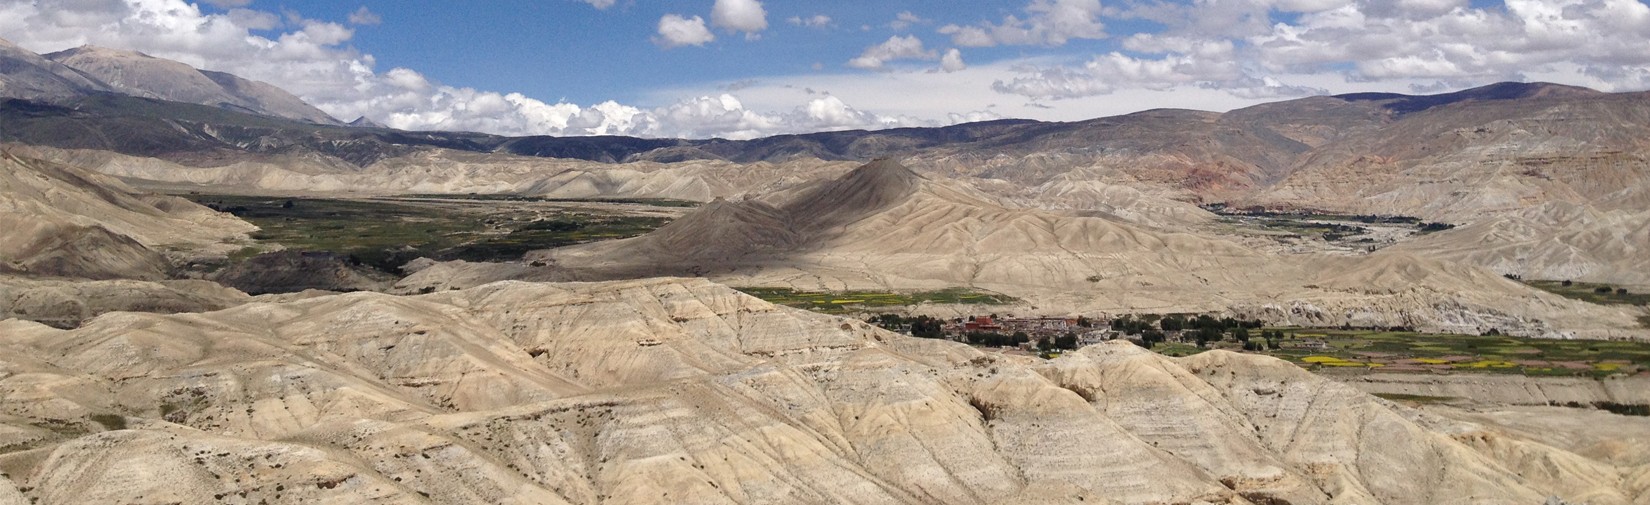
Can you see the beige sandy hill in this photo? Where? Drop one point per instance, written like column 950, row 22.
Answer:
column 1395, row 289
column 64, row 221
column 888, row 222
column 672, row 390
column 884, row 227
column 68, row 303
column 440, row 171
column 1557, row 241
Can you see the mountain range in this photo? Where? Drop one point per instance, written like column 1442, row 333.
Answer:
column 132, row 369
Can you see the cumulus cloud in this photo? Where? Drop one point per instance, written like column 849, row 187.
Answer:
column 312, row 59
column 952, row 61
column 739, row 16
column 364, row 17
column 1204, row 63
column 599, row 4
column 908, row 47
column 905, row 19
column 1244, row 46
column 814, row 21
column 677, row 31
column 227, row 4
column 1046, row 22
column 1448, row 39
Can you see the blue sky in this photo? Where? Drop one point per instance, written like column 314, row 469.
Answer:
column 747, row 68
column 530, row 45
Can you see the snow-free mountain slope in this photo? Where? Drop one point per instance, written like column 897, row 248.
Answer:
column 29, row 76
column 141, row 75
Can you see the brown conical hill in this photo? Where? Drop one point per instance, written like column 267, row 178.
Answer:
column 865, row 191
column 727, row 230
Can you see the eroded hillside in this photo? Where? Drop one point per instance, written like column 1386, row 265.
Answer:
column 687, row 391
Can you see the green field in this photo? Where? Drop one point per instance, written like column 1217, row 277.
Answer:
column 844, row 302
column 1589, row 292
column 1298, row 227
column 386, row 233
column 653, row 202
column 1366, row 350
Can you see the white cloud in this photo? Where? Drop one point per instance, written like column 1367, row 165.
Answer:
column 677, row 31
column 1448, row 39
column 1240, row 47
column 905, row 19
column 1216, row 56
column 364, row 17
column 254, row 20
column 1186, row 62
column 876, row 57
column 814, row 21
column 739, row 15
column 973, row 116
column 952, row 61
column 1047, row 22
column 227, row 4
column 599, row 4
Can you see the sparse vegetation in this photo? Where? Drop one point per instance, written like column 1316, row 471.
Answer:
column 1421, row 399
column 1603, row 294
column 110, row 422
column 1623, row 409
column 843, row 302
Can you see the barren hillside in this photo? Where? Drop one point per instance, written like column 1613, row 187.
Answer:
column 66, row 222
column 686, row 391
column 885, row 227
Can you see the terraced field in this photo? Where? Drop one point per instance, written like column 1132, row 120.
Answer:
column 1419, row 352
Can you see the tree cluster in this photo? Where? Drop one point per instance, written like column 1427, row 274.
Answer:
column 996, row 339
column 920, row 326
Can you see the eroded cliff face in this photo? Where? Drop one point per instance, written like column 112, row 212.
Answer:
column 673, row 390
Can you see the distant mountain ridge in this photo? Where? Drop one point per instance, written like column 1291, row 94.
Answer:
column 87, row 70
column 1458, row 157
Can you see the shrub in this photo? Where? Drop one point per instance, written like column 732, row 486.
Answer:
column 110, row 422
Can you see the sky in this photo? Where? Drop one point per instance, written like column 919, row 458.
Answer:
column 751, row 68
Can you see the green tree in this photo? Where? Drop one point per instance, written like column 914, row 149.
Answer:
column 1173, row 323
column 1067, row 341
